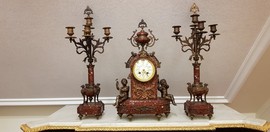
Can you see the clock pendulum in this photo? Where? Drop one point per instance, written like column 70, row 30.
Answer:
column 197, row 104
column 144, row 80
column 91, row 106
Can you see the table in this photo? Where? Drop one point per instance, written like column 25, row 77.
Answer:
column 67, row 118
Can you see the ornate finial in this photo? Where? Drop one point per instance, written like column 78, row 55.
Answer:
column 194, row 8
column 88, row 11
column 142, row 24
column 142, row 39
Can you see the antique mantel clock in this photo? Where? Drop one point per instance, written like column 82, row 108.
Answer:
column 144, row 80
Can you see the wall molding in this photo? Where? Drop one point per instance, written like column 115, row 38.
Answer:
column 256, row 52
column 70, row 101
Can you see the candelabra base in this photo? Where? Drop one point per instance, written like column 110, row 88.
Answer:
column 91, row 109
column 157, row 106
column 193, row 108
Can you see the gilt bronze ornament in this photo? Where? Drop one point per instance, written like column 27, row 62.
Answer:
column 197, row 104
column 90, row 46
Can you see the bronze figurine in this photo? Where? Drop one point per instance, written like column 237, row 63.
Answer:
column 123, row 92
column 163, row 88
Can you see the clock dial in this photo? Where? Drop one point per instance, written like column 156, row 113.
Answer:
column 143, row 70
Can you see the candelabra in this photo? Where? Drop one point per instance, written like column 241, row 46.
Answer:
column 89, row 45
column 197, row 104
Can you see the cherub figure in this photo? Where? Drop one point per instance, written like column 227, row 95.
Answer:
column 163, row 88
column 123, row 92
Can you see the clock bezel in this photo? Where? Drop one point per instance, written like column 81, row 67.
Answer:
column 153, row 70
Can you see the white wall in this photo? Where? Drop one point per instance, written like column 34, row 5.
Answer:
column 38, row 62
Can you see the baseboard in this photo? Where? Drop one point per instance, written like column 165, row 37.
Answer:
column 78, row 100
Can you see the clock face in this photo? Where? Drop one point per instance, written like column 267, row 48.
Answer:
column 143, row 70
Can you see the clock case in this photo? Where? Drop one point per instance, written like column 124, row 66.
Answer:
column 143, row 95
column 143, row 90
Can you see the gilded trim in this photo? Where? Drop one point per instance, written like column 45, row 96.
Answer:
column 265, row 127
column 26, row 128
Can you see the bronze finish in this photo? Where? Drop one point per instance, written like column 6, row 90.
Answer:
column 197, row 104
column 89, row 46
column 144, row 97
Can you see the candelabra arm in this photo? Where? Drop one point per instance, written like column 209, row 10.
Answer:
column 72, row 40
column 185, row 43
column 79, row 45
column 205, row 44
column 106, row 40
column 208, row 48
column 212, row 37
column 185, row 49
column 177, row 37
column 99, row 47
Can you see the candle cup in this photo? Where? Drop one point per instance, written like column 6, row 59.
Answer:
column 201, row 25
column 176, row 29
column 107, row 31
column 213, row 28
column 195, row 18
column 193, row 30
column 86, row 33
column 88, row 20
column 87, row 29
column 70, row 31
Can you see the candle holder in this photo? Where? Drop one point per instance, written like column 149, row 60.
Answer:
column 197, row 104
column 90, row 46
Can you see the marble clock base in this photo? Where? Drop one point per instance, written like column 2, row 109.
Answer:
column 157, row 107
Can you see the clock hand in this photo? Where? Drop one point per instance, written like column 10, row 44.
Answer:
column 144, row 72
column 147, row 73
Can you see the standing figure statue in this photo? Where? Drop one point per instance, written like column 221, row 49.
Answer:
column 163, row 88
column 123, row 92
